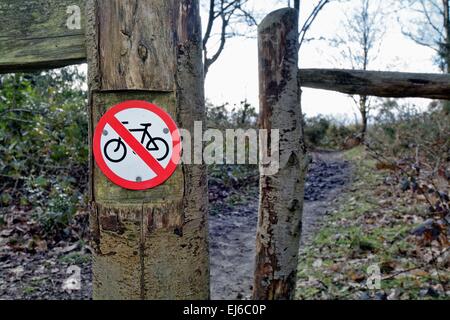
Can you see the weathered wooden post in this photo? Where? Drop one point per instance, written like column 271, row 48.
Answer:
column 281, row 194
column 149, row 244
column 41, row 34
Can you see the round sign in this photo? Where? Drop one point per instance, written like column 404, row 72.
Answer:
column 137, row 145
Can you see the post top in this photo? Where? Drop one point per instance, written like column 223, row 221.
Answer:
column 282, row 15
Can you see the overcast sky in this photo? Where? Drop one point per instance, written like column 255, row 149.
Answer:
column 234, row 77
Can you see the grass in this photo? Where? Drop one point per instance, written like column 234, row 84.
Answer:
column 370, row 227
column 29, row 290
column 75, row 258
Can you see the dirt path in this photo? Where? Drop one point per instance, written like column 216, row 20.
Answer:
column 40, row 275
column 232, row 235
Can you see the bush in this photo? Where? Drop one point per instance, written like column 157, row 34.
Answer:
column 415, row 146
column 325, row 132
column 404, row 130
column 43, row 143
column 316, row 129
column 219, row 117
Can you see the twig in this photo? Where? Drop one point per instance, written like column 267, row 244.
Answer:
column 433, row 262
column 391, row 276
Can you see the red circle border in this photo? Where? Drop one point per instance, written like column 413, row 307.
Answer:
column 176, row 142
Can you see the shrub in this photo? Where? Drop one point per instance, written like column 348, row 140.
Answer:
column 43, row 143
column 325, row 132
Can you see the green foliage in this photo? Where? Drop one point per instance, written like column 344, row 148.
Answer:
column 316, row 129
column 402, row 130
column 76, row 258
column 61, row 207
column 43, row 143
column 223, row 117
column 325, row 132
column 415, row 146
column 228, row 182
column 371, row 226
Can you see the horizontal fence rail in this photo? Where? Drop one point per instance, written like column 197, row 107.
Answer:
column 378, row 83
column 41, row 34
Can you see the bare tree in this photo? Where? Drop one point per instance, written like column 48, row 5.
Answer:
column 430, row 27
column 360, row 43
column 224, row 15
column 311, row 17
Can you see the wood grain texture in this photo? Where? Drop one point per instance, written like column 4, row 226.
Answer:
column 281, row 191
column 378, row 83
column 138, row 46
column 148, row 244
column 34, row 35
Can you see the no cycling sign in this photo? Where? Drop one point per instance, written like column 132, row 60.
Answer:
column 137, row 145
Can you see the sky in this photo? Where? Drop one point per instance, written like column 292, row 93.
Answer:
column 234, row 77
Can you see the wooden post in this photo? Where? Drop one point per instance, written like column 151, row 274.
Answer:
column 41, row 34
column 150, row 244
column 281, row 195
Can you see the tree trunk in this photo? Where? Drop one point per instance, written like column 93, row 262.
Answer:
column 364, row 116
column 150, row 244
column 281, row 194
column 446, row 35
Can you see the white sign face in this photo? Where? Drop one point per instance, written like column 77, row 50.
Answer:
column 150, row 131
column 137, row 145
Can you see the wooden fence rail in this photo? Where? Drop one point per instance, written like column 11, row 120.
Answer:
column 41, row 34
column 378, row 83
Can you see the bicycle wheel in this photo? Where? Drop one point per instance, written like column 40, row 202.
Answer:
column 161, row 145
column 118, row 155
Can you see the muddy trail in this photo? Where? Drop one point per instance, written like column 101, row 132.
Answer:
column 232, row 233
column 35, row 271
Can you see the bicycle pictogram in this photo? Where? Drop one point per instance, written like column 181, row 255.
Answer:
column 116, row 151
column 137, row 145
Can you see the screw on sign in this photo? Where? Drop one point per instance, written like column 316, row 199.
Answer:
column 137, row 145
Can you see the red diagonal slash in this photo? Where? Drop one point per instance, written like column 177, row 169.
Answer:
column 136, row 145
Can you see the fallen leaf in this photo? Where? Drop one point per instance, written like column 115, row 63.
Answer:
column 318, row 263
column 6, row 233
column 18, row 271
column 394, row 294
column 335, row 267
column 357, row 276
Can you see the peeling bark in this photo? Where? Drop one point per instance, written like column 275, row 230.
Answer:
column 148, row 244
column 281, row 195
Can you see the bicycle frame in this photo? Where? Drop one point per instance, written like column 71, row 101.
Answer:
column 145, row 133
